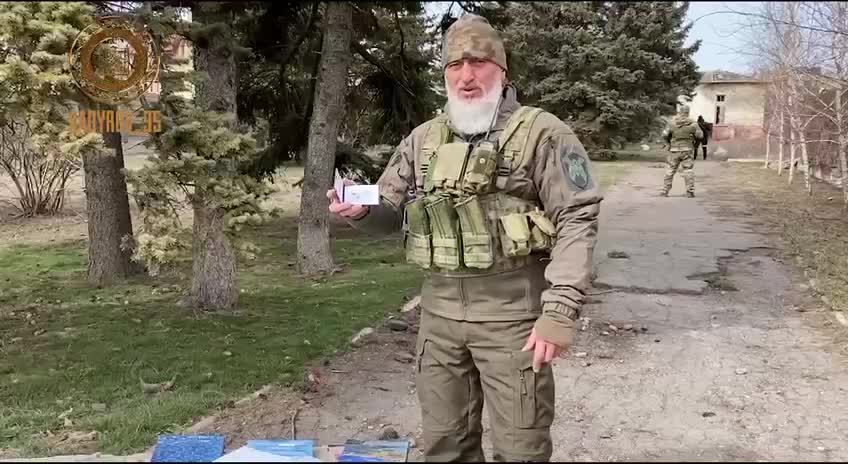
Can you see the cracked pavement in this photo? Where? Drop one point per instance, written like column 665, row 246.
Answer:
column 718, row 375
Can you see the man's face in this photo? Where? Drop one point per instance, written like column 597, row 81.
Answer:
column 474, row 87
column 472, row 79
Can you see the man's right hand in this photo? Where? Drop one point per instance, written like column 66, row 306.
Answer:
column 345, row 210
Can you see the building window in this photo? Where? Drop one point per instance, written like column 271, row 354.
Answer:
column 720, row 98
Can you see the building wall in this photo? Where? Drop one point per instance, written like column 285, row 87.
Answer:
column 743, row 104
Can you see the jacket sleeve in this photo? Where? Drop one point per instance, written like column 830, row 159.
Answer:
column 397, row 180
column 571, row 196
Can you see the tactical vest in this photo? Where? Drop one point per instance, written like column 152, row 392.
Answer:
column 461, row 220
column 682, row 138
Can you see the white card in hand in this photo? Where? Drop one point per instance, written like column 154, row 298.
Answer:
column 362, row 194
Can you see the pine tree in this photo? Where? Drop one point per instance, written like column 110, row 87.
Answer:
column 395, row 73
column 390, row 88
column 37, row 93
column 609, row 69
column 202, row 158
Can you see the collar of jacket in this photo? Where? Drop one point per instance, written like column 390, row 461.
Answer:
column 509, row 105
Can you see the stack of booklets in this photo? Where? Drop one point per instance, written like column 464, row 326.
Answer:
column 273, row 451
column 210, row 448
column 375, row 451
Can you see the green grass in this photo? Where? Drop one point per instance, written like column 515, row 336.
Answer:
column 93, row 346
column 813, row 228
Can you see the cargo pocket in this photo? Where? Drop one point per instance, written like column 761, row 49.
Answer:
column 418, row 236
column 524, row 391
column 444, row 224
column 477, row 247
column 515, row 238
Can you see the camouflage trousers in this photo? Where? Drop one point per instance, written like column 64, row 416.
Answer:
column 461, row 364
column 684, row 160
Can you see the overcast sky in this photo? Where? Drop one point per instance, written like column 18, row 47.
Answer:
column 720, row 34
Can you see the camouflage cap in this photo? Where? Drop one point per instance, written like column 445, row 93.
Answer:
column 471, row 36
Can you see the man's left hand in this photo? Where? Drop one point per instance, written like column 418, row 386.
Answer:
column 543, row 351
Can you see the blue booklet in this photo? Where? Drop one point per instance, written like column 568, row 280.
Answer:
column 375, row 451
column 288, row 448
column 188, row 448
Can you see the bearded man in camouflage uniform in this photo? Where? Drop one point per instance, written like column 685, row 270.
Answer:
column 681, row 135
column 498, row 202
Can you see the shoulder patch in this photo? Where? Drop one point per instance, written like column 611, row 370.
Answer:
column 575, row 166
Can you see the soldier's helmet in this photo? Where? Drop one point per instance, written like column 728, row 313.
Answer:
column 471, row 36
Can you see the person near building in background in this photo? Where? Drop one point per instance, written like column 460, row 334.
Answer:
column 707, row 129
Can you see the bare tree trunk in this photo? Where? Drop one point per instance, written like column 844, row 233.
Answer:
column 843, row 162
column 780, row 147
column 791, row 154
column 313, row 236
column 791, row 136
column 838, row 16
column 108, row 208
column 805, row 160
column 768, row 148
column 798, row 134
column 214, row 278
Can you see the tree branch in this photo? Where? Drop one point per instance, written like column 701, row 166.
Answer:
column 373, row 60
column 402, row 42
column 784, row 22
column 312, row 15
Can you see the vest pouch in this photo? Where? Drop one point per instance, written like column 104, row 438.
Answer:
column 444, row 224
column 445, row 171
column 542, row 232
column 516, row 236
column 418, row 235
column 538, row 240
column 481, row 167
column 477, row 249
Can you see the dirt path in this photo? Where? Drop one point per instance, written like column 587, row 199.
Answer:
column 719, row 351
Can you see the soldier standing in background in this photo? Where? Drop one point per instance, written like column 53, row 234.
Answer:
column 498, row 202
column 681, row 135
column 707, row 129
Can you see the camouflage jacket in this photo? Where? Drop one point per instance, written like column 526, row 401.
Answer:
column 553, row 171
column 682, row 133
